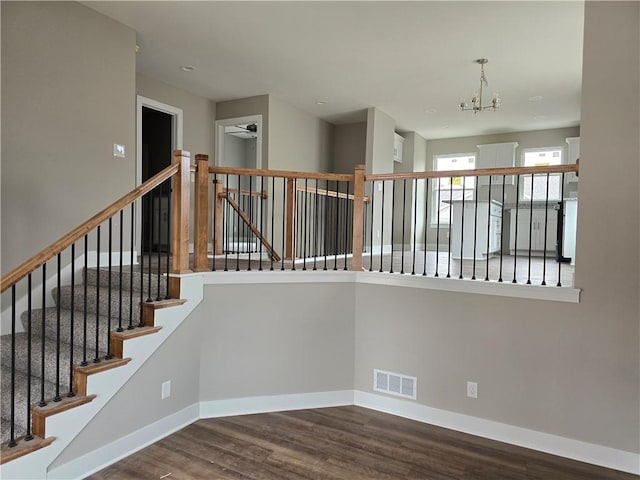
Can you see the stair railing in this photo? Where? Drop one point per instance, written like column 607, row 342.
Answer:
column 162, row 232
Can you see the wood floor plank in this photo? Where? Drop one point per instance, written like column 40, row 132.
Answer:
column 340, row 443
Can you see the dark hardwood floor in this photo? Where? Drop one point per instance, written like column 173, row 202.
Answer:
column 340, row 443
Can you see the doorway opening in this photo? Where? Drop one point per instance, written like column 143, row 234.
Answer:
column 159, row 133
column 239, row 145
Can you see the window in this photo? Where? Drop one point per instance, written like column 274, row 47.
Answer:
column 538, row 158
column 451, row 188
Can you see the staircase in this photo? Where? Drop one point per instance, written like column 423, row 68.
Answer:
column 87, row 334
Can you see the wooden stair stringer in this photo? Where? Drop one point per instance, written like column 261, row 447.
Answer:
column 65, row 426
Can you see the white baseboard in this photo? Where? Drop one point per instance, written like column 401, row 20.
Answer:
column 523, row 437
column 125, row 446
column 275, row 403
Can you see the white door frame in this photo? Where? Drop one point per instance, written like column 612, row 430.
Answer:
column 177, row 122
column 219, row 126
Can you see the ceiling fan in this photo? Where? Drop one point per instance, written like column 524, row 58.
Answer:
column 250, row 129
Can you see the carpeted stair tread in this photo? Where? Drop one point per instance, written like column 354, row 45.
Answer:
column 51, row 317
column 50, row 356
column 21, row 411
column 106, row 297
column 128, row 280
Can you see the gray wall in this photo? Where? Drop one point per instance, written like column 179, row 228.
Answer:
column 298, row 140
column 68, row 90
column 349, row 146
column 290, row 338
column 199, row 113
column 569, row 370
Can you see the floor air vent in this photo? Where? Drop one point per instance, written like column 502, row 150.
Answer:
column 395, row 384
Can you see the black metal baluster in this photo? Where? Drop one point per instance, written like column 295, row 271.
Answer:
column 284, row 221
column 12, row 415
column 108, row 356
column 315, row 229
column 238, row 226
column 384, row 184
column 260, row 214
column 57, row 398
column 515, row 232
column 530, row 231
column 348, row 226
column 426, row 226
column 249, row 200
column 71, row 393
column 97, row 357
column 84, row 362
column 336, row 227
column 404, row 211
column 296, row 225
column 166, row 296
column 546, row 219
column 120, row 286
column 150, row 250
column 439, row 179
column 461, row 228
column 450, row 219
column 42, row 402
column 504, row 178
column 29, row 436
column 326, row 221
column 415, row 224
column 273, row 208
column 159, row 252
column 215, row 222
column 305, row 225
column 393, row 216
column 560, row 212
column 225, row 225
column 131, row 260
column 486, row 277
column 373, row 191
column 475, row 228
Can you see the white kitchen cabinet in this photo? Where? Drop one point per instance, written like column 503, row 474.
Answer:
column 497, row 155
column 570, row 224
column 573, row 153
column 398, row 141
column 531, row 226
column 463, row 229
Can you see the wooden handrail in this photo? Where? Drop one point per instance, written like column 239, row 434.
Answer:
column 62, row 243
column 329, row 193
column 339, row 177
column 262, row 194
column 480, row 172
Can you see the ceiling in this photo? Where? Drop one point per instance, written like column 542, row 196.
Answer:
column 413, row 60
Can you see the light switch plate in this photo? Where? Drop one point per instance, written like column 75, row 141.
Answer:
column 118, row 150
column 166, row 389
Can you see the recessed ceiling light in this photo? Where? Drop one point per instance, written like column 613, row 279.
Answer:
column 535, row 98
column 187, row 68
column 430, row 110
column 445, row 126
column 321, row 102
column 539, row 117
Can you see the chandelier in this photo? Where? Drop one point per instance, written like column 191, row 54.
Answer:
column 476, row 102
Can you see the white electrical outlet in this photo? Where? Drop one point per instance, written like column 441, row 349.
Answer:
column 166, row 389
column 472, row 390
column 118, row 150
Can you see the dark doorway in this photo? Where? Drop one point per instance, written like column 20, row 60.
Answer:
column 157, row 140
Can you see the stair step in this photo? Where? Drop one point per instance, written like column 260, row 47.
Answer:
column 106, row 297
column 36, row 356
column 50, row 324
column 20, row 400
column 128, row 280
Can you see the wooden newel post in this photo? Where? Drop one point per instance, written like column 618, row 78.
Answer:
column 180, row 212
column 358, row 217
column 290, row 240
column 201, row 214
column 218, row 190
